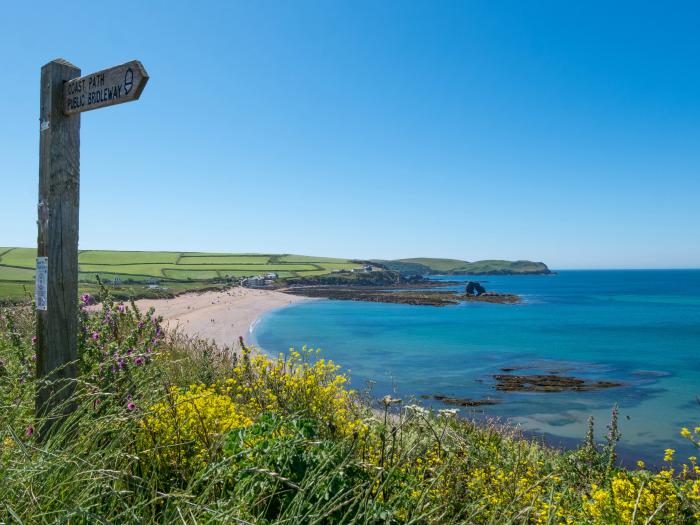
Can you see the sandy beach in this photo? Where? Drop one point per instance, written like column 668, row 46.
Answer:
column 219, row 316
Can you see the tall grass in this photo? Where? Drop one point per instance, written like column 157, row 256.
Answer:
column 168, row 429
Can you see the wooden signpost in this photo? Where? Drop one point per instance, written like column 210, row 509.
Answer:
column 64, row 95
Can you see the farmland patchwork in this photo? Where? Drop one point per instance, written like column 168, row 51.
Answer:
column 174, row 270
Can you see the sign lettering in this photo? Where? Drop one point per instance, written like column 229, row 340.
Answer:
column 42, row 281
column 115, row 85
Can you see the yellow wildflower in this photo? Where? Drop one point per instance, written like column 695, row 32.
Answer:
column 181, row 430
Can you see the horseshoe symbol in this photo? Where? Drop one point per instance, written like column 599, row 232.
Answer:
column 128, row 80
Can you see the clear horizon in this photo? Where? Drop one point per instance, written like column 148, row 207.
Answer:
column 560, row 133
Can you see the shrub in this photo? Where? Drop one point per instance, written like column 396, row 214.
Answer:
column 114, row 343
column 297, row 385
column 183, row 431
column 282, row 467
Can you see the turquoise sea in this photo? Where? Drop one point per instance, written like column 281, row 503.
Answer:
column 639, row 327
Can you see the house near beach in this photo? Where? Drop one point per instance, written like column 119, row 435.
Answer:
column 259, row 280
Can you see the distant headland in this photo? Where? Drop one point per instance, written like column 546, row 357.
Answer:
column 432, row 266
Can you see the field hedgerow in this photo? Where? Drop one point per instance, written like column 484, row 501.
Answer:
column 170, row 429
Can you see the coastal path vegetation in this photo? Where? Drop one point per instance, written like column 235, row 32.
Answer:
column 169, row 429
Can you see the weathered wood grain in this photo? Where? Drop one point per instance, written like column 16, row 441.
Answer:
column 59, row 186
column 108, row 87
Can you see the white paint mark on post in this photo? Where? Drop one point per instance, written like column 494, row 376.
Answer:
column 42, row 280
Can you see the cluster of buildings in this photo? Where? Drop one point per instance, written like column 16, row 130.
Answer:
column 259, row 280
column 152, row 283
column 367, row 268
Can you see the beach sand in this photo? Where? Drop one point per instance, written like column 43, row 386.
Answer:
column 221, row 316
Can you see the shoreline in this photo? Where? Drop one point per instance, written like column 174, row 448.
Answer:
column 219, row 316
column 223, row 316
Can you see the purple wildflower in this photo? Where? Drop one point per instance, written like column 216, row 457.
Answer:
column 131, row 406
column 29, row 431
column 121, row 308
column 120, row 363
column 95, row 336
column 34, row 340
column 85, row 298
column 140, row 325
column 138, row 361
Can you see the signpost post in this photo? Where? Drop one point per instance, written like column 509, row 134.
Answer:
column 64, row 95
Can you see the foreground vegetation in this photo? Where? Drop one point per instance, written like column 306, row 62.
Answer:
column 172, row 430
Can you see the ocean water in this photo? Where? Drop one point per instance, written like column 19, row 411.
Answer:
column 641, row 328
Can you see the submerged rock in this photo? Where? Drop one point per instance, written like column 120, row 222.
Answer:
column 549, row 383
column 492, row 297
column 465, row 401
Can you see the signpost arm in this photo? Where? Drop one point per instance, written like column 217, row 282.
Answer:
column 59, row 184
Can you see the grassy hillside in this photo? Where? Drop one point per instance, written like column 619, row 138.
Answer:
column 438, row 265
column 176, row 271
column 425, row 265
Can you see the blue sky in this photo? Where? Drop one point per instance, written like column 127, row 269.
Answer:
column 556, row 131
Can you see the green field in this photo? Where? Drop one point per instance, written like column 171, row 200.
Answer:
column 440, row 265
column 175, row 271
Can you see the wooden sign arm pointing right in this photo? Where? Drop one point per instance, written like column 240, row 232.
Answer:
column 116, row 85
